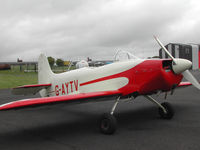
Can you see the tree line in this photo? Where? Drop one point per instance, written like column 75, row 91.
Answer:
column 59, row 62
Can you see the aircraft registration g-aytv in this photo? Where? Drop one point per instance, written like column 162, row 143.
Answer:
column 120, row 80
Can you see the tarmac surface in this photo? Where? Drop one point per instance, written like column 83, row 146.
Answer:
column 75, row 127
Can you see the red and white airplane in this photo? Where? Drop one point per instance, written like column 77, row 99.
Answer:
column 122, row 80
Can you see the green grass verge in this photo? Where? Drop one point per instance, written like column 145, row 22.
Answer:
column 10, row 79
column 14, row 77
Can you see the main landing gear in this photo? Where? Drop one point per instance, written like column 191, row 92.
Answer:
column 108, row 123
column 165, row 109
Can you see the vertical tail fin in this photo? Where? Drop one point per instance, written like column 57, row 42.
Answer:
column 44, row 73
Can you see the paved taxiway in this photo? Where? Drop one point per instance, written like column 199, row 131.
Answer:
column 75, row 126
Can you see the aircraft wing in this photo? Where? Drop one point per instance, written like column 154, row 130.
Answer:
column 82, row 97
column 184, row 84
column 29, row 89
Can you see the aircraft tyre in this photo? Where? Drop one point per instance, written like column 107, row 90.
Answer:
column 169, row 109
column 108, row 124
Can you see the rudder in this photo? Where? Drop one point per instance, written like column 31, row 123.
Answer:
column 44, row 73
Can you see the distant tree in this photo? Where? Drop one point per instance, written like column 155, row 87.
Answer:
column 59, row 62
column 51, row 61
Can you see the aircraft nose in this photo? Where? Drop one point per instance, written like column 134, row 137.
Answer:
column 181, row 65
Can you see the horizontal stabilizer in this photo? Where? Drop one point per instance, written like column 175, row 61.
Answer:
column 82, row 97
column 29, row 89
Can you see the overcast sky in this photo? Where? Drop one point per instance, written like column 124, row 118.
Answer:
column 69, row 29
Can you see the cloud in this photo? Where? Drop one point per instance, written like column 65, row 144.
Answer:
column 96, row 28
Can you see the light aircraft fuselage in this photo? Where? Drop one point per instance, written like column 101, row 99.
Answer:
column 132, row 77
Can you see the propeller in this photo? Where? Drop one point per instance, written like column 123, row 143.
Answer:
column 166, row 51
column 188, row 76
column 180, row 66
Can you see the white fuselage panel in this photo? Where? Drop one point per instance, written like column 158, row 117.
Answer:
column 69, row 82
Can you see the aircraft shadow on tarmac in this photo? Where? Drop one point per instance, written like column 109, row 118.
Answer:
column 145, row 118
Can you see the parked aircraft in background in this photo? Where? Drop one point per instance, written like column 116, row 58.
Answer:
column 120, row 80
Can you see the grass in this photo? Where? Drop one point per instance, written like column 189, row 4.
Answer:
column 14, row 77
column 10, row 78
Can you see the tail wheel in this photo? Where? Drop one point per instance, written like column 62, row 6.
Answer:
column 170, row 111
column 108, row 124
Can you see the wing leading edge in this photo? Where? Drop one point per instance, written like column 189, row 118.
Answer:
column 184, row 84
column 82, row 97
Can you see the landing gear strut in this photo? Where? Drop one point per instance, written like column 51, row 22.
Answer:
column 165, row 109
column 108, row 123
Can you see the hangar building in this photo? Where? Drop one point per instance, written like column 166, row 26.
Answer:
column 186, row 51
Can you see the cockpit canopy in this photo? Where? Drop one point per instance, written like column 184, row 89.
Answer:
column 82, row 64
column 122, row 55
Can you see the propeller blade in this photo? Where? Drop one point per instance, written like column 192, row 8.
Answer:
column 188, row 76
column 163, row 47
